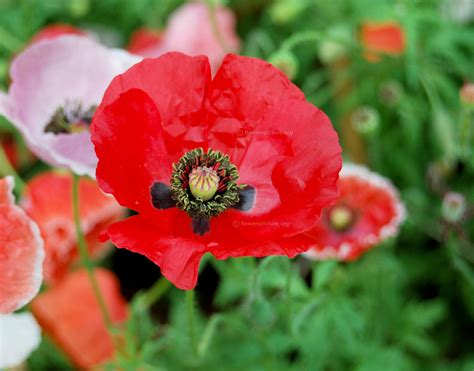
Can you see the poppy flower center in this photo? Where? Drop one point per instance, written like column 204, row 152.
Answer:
column 204, row 185
column 203, row 182
column 70, row 119
column 341, row 218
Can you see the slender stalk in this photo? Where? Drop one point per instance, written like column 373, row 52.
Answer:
column 84, row 253
column 154, row 294
column 191, row 325
column 7, row 169
column 215, row 26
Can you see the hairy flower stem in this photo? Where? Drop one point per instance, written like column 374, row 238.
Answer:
column 152, row 295
column 191, row 325
column 7, row 169
column 86, row 260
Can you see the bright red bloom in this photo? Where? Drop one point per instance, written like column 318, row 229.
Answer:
column 284, row 149
column 70, row 314
column 382, row 37
column 54, row 216
column 144, row 39
column 368, row 211
column 52, row 31
column 21, row 253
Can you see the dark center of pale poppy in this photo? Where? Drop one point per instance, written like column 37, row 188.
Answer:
column 70, row 119
column 204, row 185
column 341, row 218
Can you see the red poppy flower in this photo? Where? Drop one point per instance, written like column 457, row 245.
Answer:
column 55, row 30
column 368, row 211
column 144, row 39
column 70, row 314
column 382, row 37
column 238, row 165
column 55, row 218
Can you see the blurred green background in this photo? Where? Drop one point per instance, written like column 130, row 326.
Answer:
column 406, row 305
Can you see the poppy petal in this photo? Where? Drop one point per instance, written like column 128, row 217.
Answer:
column 178, row 256
column 131, row 122
column 21, row 253
column 242, row 92
column 177, row 84
column 289, row 246
column 54, row 217
column 293, row 169
column 70, row 314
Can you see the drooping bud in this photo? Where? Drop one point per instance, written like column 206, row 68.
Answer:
column 286, row 62
column 453, row 207
column 390, row 93
column 365, row 120
column 203, row 183
column 333, row 48
column 341, row 218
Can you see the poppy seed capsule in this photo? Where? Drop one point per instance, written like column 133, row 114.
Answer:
column 203, row 183
column 341, row 218
column 453, row 207
column 365, row 120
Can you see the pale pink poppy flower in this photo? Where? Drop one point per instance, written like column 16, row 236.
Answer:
column 21, row 259
column 190, row 31
column 56, row 85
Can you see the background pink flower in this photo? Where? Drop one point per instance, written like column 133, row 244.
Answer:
column 56, row 85
column 190, row 31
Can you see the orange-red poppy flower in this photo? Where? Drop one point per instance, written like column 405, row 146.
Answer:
column 382, row 38
column 54, row 216
column 70, row 314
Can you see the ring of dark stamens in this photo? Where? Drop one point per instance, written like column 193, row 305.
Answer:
column 71, row 118
column 228, row 195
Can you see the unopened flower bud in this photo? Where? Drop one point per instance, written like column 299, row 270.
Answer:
column 285, row 11
column 286, row 62
column 332, row 49
column 365, row 120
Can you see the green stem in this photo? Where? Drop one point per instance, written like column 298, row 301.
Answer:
column 191, row 325
column 215, row 26
column 154, row 294
column 306, row 36
column 467, row 124
column 8, row 41
column 84, row 253
column 7, row 169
